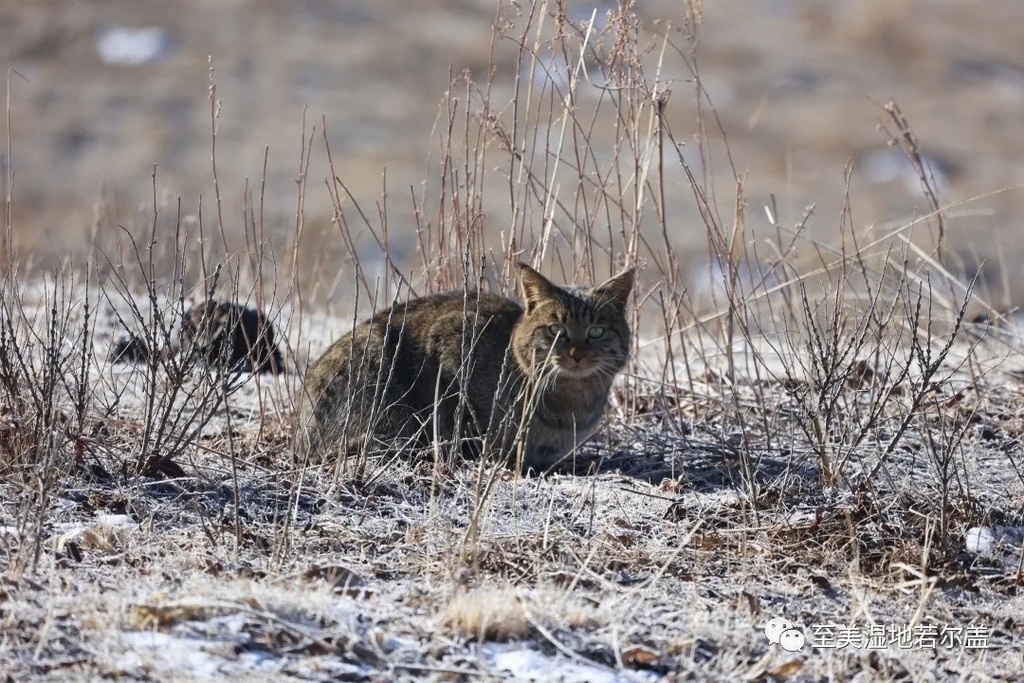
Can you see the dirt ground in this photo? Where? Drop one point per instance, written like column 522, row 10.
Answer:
column 837, row 447
column 797, row 85
column 705, row 518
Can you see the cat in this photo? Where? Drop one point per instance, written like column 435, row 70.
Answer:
column 218, row 334
column 229, row 334
column 531, row 381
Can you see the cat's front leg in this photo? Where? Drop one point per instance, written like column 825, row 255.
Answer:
column 538, row 460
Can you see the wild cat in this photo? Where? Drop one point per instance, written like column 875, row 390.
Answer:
column 531, row 381
column 219, row 334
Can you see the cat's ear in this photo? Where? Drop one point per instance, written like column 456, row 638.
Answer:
column 616, row 290
column 536, row 287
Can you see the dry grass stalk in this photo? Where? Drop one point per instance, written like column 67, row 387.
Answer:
column 815, row 433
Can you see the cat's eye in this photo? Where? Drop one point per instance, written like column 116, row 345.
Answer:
column 554, row 329
column 595, row 332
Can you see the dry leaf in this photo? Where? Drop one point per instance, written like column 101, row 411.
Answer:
column 639, row 656
column 753, row 603
column 786, row 670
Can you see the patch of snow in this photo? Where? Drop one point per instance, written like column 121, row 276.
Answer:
column 1006, row 79
column 116, row 521
column 708, row 279
column 979, row 540
column 182, row 655
column 889, row 164
column 128, row 46
column 986, row 541
column 524, row 664
column 799, row 517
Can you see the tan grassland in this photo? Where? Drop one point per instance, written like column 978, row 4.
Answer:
column 821, row 421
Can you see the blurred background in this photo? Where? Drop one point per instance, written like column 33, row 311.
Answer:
column 100, row 91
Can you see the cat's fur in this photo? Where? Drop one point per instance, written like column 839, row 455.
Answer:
column 219, row 334
column 476, row 367
column 229, row 334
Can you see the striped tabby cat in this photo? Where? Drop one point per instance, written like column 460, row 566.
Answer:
column 528, row 381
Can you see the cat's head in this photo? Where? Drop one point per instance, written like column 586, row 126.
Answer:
column 573, row 331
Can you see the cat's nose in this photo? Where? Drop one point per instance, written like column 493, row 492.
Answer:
column 578, row 353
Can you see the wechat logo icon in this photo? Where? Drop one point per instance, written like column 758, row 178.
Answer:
column 785, row 634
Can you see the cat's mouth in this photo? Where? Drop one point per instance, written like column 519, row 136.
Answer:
column 570, row 367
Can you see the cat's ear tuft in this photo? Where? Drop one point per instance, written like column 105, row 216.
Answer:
column 536, row 287
column 615, row 290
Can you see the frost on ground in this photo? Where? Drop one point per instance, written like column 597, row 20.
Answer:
column 704, row 518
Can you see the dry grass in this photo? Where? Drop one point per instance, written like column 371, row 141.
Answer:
column 808, row 437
